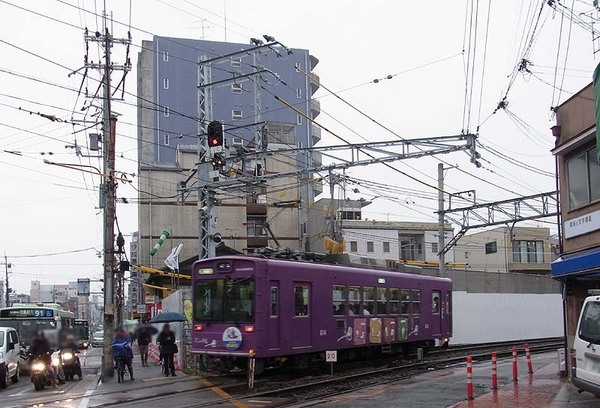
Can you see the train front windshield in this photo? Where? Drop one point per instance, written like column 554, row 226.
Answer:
column 225, row 300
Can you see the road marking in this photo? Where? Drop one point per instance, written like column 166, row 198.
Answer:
column 86, row 397
column 19, row 393
column 222, row 393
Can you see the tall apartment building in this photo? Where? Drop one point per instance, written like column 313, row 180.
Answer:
column 168, row 129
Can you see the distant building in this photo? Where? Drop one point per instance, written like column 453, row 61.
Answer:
column 390, row 241
column 19, row 298
column 2, row 294
column 527, row 250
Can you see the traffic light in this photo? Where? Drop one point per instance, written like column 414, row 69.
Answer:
column 217, row 161
column 215, row 134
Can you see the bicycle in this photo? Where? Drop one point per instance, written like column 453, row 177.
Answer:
column 123, row 357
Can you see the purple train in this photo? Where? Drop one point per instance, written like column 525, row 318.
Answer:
column 280, row 310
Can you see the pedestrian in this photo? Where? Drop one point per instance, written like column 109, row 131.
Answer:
column 144, row 339
column 168, row 349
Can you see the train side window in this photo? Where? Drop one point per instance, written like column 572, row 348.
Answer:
column 405, row 298
column 301, row 300
column 435, row 301
column 415, row 301
column 274, row 301
column 339, row 300
column 382, row 299
column 369, row 305
column 354, row 300
column 394, row 300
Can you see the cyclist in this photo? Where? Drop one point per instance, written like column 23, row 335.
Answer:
column 122, row 349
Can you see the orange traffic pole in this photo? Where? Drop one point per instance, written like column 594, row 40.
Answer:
column 469, row 378
column 494, row 371
column 528, row 356
column 514, row 364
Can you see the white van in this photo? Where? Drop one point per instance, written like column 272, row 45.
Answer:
column 586, row 373
column 9, row 356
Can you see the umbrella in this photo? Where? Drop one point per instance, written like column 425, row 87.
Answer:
column 151, row 330
column 168, row 317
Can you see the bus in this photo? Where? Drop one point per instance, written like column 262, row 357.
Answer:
column 30, row 318
column 81, row 331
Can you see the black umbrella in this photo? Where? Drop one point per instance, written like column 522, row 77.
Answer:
column 168, row 317
column 147, row 329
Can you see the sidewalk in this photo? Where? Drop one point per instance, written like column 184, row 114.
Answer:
column 542, row 389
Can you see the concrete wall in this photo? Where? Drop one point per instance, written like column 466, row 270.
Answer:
column 490, row 317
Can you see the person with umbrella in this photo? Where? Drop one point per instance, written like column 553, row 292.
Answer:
column 168, row 348
column 144, row 338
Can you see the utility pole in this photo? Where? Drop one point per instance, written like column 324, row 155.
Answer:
column 6, row 266
column 441, row 226
column 108, row 190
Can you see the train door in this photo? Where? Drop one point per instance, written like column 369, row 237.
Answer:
column 301, row 321
column 274, row 321
column 448, row 313
column 437, row 312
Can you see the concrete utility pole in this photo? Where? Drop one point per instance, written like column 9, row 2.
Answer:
column 441, row 226
column 6, row 266
column 108, row 198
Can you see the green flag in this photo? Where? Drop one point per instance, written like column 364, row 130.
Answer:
column 596, row 81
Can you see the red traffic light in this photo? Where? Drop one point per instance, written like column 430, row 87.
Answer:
column 215, row 134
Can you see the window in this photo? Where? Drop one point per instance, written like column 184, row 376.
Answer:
column 369, row 301
column 589, row 327
column 297, row 65
column 236, row 88
column 339, row 300
column 370, row 246
column 583, row 174
column 434, row 247
column 236, row 61
column 353, row 246
column 165, row 56
column 166, row 83
column 298, row 119
column 491, row 247
column 382, row 301
column 354, row 300
column 466, row 254
column 236, row 115
column 415, row 301
column 255, row 226
column 528, row 251
column 298, row 93
column 405, row 298
column 386, row 247
column 166, row 139
column 274, row 301
column 435, row 301
column 301, row 300
column 166, row 111
column 225, row 300
column 394, row 300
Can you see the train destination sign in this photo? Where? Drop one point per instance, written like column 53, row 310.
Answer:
column 28, row 312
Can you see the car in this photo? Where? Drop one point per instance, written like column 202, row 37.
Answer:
column 98, row 339
column 585, row 372
column 9, row 356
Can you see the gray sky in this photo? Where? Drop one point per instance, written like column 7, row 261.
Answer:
column 46, row 209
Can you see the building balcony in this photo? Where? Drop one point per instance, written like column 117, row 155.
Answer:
column 317, row 159
column 315, row 108
column 315, row 132
column 315, row 82
column 313, row 62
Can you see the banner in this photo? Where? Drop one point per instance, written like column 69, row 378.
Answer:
column 596, row 81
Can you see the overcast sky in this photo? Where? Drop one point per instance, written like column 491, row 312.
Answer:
column 46, row 209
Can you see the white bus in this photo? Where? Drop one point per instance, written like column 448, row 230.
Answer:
column 31, row 318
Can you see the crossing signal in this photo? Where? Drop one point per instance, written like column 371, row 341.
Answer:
column 215, row 134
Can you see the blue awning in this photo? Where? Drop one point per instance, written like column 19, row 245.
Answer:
column 581, row 264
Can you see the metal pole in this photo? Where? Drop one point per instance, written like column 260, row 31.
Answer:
column 108, row 153
column 6, row 282
column 441, row 227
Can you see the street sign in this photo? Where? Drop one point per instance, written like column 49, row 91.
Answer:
column 331, row 356
column 141, row 309
column 83, row 287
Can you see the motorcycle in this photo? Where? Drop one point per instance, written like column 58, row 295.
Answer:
column 39, row 371
column 68, row 359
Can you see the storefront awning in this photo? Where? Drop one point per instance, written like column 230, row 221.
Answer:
column 584, row 264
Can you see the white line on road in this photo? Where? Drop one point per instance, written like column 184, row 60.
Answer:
column 86, row 397
column 19, row 393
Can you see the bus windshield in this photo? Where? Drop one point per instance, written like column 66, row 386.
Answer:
column 225, row 300
column 28, row 328
column 589, row 328
column 81, row 331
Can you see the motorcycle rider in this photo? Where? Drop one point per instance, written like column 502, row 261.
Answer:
column 41, row 348
column 71, row 344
